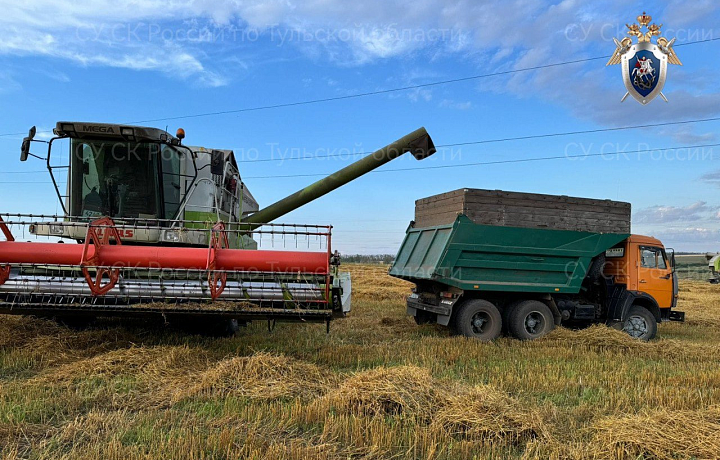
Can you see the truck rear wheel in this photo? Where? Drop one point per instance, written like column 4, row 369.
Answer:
column 478, row 319
column 530, row 319
column 640, row 323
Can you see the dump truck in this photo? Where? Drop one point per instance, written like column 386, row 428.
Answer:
column 154, row 227
column 488, row 262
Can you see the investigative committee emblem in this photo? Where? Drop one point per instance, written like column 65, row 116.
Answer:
column 644, row 64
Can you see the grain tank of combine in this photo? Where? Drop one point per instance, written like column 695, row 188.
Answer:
column 164, row 228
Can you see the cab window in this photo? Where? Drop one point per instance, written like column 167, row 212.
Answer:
column 652, row 258
column 170, row 162
column 116, row 179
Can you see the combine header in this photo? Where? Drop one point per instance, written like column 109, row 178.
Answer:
column 157, row 228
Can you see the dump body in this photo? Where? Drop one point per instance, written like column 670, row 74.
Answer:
column 490, row 258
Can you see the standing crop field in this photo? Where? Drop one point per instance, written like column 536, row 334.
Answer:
column 692, row 267
column 376, row 387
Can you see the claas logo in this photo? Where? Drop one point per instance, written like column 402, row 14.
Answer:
column 127, row 233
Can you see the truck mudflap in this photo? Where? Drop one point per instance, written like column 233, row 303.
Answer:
column 443, row 310
column 667, row 314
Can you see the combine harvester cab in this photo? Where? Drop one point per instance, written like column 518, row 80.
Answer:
column 154, row 227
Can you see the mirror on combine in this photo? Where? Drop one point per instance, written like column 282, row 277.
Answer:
column 25, row 148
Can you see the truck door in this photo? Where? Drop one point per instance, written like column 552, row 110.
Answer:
column 655, row 275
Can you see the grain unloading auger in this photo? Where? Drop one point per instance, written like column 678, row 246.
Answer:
column 163, row 228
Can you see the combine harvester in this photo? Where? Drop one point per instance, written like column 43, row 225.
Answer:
column 160, row 228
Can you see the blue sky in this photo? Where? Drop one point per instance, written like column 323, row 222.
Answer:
column 128, row 61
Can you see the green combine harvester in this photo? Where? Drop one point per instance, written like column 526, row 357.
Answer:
column 160, row 228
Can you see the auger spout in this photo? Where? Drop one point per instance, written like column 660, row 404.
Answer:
column 418, row 143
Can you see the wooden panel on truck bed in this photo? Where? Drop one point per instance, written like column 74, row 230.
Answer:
column 527, row 210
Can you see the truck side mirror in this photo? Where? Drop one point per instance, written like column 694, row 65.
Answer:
column 25, row 147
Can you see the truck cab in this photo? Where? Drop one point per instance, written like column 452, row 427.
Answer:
column 647, row 270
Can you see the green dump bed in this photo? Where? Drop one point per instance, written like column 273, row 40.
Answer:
column 471, row 256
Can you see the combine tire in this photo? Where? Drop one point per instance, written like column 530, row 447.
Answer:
column 530, row 319
column 478, row 319
column 640, row 323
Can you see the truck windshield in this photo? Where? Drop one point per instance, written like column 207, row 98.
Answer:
column 116, row 179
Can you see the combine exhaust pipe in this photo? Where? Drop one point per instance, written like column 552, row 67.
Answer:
column 418, row 143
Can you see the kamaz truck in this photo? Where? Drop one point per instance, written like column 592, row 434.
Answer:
column 488, row 262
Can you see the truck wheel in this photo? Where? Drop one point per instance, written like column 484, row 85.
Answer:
column 530, row 319
column 506, row 315
column 640, row 323
column 478, row 319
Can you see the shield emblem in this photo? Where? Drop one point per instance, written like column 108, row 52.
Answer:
column 644, row 69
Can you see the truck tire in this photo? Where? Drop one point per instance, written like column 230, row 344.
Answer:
column 530, row 319
column 640, row 323
column 478, row 319
column 595, row 272
column 505, row 312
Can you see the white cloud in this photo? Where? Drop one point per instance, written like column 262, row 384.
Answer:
column 688, row 135
column 663, row 214
column 711, row 178
column 495, row 35
column 690, row 235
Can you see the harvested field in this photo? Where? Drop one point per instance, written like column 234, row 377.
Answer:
column 377, row 387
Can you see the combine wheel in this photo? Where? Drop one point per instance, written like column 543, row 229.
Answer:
column 478, row 319
column 530, row 319
column 640, row 323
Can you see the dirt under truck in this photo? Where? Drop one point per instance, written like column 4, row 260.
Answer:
column 151, row 226
column 488, row 262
